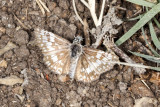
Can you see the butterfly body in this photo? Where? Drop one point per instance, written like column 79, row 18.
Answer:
column 65, row 58
column 75, row 53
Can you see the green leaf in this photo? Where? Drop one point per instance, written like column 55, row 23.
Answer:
column 154, row 36
column 148, row 57
column 147, row 17
column 157, row 23
column 150, row 47
column 135, row 18
column 142, row 3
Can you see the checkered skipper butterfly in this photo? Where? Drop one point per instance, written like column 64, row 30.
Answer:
column 65, row 58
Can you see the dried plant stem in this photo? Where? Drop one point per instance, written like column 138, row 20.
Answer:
column 85, row 3
column 130, row 62
column 91, row 6
column 75, row 10
column 86, row 33
column 101, row 14
column 138, row 67
column 25, row 27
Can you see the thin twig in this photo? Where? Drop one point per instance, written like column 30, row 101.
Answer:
column 20, row 22
column 27, row 13
column 145, row 84
column 86, row 33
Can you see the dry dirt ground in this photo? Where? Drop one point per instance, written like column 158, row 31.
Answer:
column 119, row 87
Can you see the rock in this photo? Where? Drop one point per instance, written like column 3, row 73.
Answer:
column 21, row 37
column 64, row 4
column 122, row 86
column 22, row 51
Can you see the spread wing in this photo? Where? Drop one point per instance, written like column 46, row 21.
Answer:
column 92, row 63
column 55, row 49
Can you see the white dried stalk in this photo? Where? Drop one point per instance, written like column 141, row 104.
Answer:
column 91, row 6
column 85, row 3
column 75, row 10
column 132, row 64
column 101, row 14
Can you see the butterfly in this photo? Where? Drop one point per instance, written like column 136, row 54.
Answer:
column 78, row 62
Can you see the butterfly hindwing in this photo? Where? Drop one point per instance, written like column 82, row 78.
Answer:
column 92, row 63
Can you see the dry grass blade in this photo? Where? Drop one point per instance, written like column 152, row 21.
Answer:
column 8, row 47
column 25, row 27
column 145, row 84
column 40, row 6
column 44, row 6
column 136, row 65
column 101, row 14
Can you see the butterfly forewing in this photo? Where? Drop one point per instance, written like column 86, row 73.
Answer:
column 92, row 63
column 55, row 49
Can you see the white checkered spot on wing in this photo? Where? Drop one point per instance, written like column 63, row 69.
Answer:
column 48, row 41
column 92, row 63
column 55, row 49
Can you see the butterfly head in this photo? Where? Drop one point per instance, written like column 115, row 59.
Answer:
column 77, row 40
